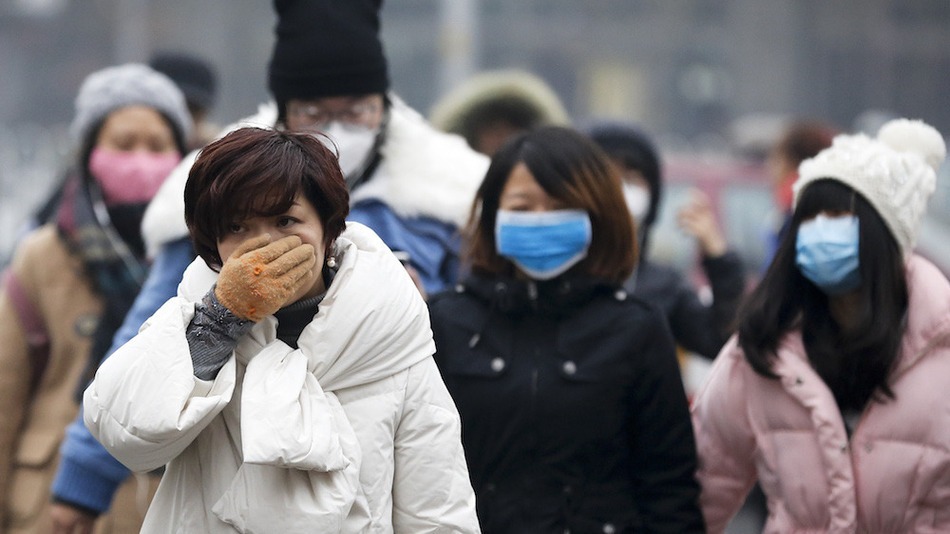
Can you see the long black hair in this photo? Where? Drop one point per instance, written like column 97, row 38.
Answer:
column 856, row 362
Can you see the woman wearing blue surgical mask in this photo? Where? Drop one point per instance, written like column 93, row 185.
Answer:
column 573, row 411
column 833, row 393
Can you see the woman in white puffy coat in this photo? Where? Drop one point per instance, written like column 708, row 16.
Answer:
column 290, row 385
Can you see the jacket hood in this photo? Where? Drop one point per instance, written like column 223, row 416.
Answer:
column 928, row 313
column 525, row 89
column 423, row 173
column 371, row 324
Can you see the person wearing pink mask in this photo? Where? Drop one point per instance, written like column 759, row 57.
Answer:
column 76, row 276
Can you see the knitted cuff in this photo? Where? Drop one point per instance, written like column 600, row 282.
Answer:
column 83, row 488
column 212, row 335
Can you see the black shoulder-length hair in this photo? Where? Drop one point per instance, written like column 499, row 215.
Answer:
column 572, row 169
column 854, row 363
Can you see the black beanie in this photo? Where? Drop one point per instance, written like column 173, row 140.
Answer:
column 327, row 48
column 193, row 75
column 630, row 146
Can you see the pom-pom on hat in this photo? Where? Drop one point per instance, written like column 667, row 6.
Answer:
column 327, row 48
column 111, row 88
column 896, row 172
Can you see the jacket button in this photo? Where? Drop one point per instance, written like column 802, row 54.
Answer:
column 459, row 288
column 568, row 490
column 609, row 528
column 620, row 295
column 497, row 364
column 569, row 368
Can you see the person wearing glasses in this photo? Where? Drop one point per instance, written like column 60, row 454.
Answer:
column 409, row 183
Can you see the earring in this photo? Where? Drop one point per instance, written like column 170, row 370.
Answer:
column 331, row 262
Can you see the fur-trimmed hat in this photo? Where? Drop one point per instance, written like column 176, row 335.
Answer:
column 896, row 172
column 522, row 97
column 327, row 48
column 111, row 88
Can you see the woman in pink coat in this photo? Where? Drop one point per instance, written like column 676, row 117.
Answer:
column 835, row 393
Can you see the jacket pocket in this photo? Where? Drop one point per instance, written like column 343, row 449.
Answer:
column 32, row 473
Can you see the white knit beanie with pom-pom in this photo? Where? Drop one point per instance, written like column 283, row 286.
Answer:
column 896, row 172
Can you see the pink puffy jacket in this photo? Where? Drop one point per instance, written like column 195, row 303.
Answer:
column 894, row 474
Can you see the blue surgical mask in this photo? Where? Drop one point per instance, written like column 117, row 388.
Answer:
column 543, row 244
column 826, row 252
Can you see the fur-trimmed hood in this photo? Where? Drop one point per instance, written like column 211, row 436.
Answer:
column 423, row 173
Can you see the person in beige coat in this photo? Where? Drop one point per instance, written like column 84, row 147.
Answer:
column 75, row 277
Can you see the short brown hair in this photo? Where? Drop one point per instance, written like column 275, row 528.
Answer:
column 572, row 169
column 258, row 172
column 803, row 140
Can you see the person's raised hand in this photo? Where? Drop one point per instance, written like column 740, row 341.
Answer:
column 261, row 276
column 697, row 219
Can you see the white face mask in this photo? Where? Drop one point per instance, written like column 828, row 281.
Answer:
column 354, row 142
column 638, row 200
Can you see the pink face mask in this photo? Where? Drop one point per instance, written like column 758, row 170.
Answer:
column 130, row 177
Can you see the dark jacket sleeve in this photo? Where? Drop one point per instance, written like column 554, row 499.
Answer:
column 661, row 435
column 705, row 329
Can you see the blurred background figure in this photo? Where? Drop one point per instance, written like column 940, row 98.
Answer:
column 800, row 141
column 493, row 106
column 832, row 395
column 198, row 81
column 699, row 327
column 72, row 281
column 573, row 410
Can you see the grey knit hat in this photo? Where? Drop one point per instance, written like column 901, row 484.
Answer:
column 111, row 88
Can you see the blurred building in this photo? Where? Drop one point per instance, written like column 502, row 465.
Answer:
column 687, row 70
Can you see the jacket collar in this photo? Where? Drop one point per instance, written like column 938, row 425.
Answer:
column 928, row 313
column 560, row 296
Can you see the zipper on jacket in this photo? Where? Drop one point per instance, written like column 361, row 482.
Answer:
column 533, row 294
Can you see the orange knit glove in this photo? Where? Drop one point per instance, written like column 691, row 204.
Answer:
column 260, row 277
